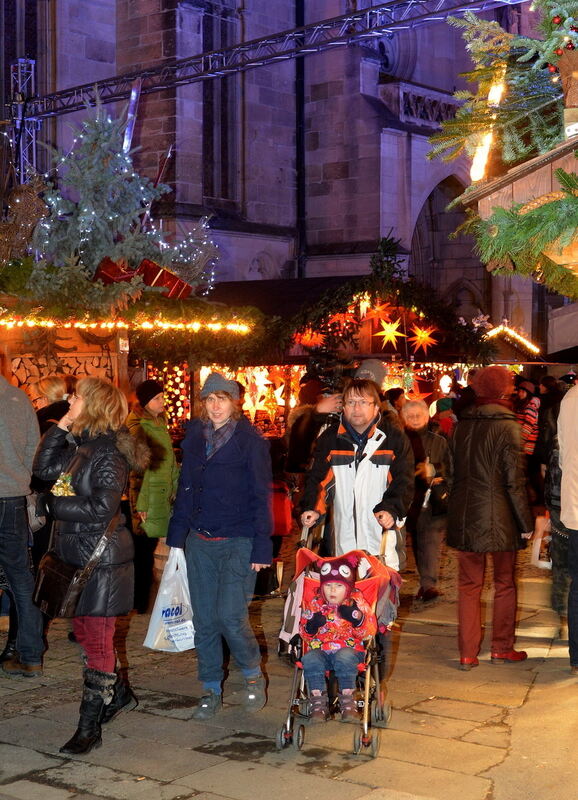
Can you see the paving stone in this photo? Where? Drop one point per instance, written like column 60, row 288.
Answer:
column 493, row 734
column 459, row 710
column 152, row 759
column 169, row 731
column 19, row 761
column 108, row 783
column 28, row 790
column 257, row 782
column 30, row 731
column 419, row 781
column 391, row 794
column 429, row 725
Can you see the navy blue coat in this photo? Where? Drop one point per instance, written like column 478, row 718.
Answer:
column 227, row 495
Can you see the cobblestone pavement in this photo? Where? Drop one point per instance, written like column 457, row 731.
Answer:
column 495, row 733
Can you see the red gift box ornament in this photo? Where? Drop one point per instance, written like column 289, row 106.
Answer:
column 155, row 275
column 110, row 271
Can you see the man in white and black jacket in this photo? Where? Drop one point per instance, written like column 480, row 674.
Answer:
column 364, row 467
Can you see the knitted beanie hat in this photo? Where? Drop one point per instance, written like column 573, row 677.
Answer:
column 528, row 386
column 146, row 390
column 309, row 392
column 492, row 382
column 338, row 570
column 218, row 383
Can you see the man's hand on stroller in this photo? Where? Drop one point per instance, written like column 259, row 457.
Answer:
column 352, row 614
column 317, row 621
column 309, row 518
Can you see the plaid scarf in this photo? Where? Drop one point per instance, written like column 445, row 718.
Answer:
column 216, row 438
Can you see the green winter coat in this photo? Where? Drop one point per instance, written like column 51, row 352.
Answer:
column 154, row 491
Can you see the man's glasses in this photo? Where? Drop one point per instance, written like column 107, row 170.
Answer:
column 360, row 403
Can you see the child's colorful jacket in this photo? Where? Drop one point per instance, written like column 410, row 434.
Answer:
column 337, row 632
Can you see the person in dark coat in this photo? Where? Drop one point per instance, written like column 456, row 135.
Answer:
column 426, row 518
column 488, row 512
column 222, row 518
column 89, row 454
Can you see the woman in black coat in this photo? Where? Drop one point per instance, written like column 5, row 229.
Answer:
column 89, row 454
column 488, row 512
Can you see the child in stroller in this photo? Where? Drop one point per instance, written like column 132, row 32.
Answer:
column 334, row 623
column 330, row 623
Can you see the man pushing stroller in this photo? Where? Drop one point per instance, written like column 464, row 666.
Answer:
column 334, row 624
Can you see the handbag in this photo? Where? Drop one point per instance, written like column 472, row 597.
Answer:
column 35, row 520
column 59, row 585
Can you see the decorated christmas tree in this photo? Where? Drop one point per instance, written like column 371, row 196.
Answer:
column 100, row 209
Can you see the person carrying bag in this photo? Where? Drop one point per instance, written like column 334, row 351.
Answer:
column 90, row 453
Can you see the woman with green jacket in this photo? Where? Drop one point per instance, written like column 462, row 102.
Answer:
column 152, row 494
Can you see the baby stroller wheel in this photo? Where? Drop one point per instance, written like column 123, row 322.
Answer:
column 283, row 738
column 375, row 743
column 357, row 741
column 299, row 738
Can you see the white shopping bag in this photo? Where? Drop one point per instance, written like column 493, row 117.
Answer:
column 540, row 540
column 171, row 624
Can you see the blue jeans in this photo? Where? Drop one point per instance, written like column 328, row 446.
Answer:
column 221, row 583
column 573, row 596
column 14, row 560
column 343, row 662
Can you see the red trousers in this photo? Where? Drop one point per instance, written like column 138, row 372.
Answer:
column 470, row 583
column 96, row 637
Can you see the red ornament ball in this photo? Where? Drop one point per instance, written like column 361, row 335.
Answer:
column 570, row 46
column 558, row 51
column 574, row 28
column 552, row 68
column 557, row 19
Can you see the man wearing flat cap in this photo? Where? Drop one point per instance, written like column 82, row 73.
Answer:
column 222, row 519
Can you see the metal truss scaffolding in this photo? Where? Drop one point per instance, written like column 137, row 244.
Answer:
column 25, row 125
column 313, row 38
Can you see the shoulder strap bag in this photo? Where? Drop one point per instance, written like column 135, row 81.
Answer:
column 59, row 585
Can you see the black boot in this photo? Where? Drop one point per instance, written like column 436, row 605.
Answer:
column 97, row 693
column 9, row 650
column 10, row 647
column 123, row 699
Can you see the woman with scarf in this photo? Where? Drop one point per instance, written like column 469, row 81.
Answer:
column 488, row 512
column 222, row 519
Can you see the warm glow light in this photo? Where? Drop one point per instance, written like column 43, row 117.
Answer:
column 480, row 159
column 482, row 151
column 512, row 334
column 240, row 328
column 389, row 332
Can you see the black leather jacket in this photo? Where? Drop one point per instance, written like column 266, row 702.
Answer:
column 488, row 505
column 99, row 468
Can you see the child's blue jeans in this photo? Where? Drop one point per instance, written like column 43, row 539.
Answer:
column 343, row 662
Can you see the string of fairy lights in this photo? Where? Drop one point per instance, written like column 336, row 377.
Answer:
column 195, row 326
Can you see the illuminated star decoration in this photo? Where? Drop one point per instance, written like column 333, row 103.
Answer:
column 389, row 332
column 422, row 338
column 381, row 311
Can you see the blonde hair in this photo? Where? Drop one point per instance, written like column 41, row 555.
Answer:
column 104, row 407
column 52, row 387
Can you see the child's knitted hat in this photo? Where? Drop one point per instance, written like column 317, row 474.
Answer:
column 338, row 570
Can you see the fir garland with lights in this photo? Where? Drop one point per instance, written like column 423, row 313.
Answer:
column 528, row 119
column 520, row 237
column 335, row 322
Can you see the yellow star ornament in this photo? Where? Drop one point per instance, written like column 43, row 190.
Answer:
column 422, row 338
column 389, row 332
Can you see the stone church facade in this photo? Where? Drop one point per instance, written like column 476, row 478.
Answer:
column 303, row 165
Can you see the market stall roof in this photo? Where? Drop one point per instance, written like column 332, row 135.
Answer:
column 283, row 297
column 527, row 180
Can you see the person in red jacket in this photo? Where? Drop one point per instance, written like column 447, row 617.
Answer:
column 334, row 624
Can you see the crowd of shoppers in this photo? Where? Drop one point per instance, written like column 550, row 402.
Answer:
column 367, row 468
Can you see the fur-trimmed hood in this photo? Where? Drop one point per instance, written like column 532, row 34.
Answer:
column 134, row 449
